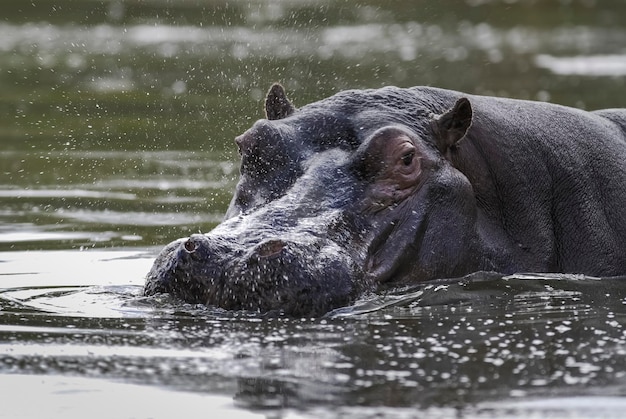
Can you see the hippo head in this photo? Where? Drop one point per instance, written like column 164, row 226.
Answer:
column 334, row 199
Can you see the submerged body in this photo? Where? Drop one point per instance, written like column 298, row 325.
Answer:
column 375, row 187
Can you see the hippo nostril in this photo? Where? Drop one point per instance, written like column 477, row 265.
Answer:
column 190, row 246
column 270, row 248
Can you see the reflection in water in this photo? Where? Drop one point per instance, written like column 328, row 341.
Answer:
column 591, row 65
column 130, row 195
column 476, row 345
column 48, row 44
column 70, row 397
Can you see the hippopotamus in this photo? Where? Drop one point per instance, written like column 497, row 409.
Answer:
column 371, row 189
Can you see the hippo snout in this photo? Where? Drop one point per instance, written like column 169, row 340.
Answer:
column 186, row 268
column 270, row 275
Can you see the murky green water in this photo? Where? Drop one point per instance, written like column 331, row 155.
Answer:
column 116, row 125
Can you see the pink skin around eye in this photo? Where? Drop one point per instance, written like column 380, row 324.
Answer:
column 396, row 179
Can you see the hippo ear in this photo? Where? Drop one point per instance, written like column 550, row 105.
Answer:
column 451, row 126
column 277, row 106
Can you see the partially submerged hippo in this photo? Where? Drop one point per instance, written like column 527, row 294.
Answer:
column 393, row 186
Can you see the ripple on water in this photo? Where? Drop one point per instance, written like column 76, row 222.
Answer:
column 479, row 338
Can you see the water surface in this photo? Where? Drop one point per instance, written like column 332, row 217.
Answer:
column 116, row 125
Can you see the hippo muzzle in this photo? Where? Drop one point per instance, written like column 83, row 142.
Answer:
column 274, row 275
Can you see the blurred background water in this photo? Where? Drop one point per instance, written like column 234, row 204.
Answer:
column 117, row 121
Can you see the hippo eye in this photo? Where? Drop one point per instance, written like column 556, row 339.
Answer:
column 407, row 159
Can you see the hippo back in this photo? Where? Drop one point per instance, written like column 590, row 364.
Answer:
column 554, row 178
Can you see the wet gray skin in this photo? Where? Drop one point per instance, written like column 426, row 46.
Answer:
column 389, row 186
column 306, row 230
column 292, row 255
